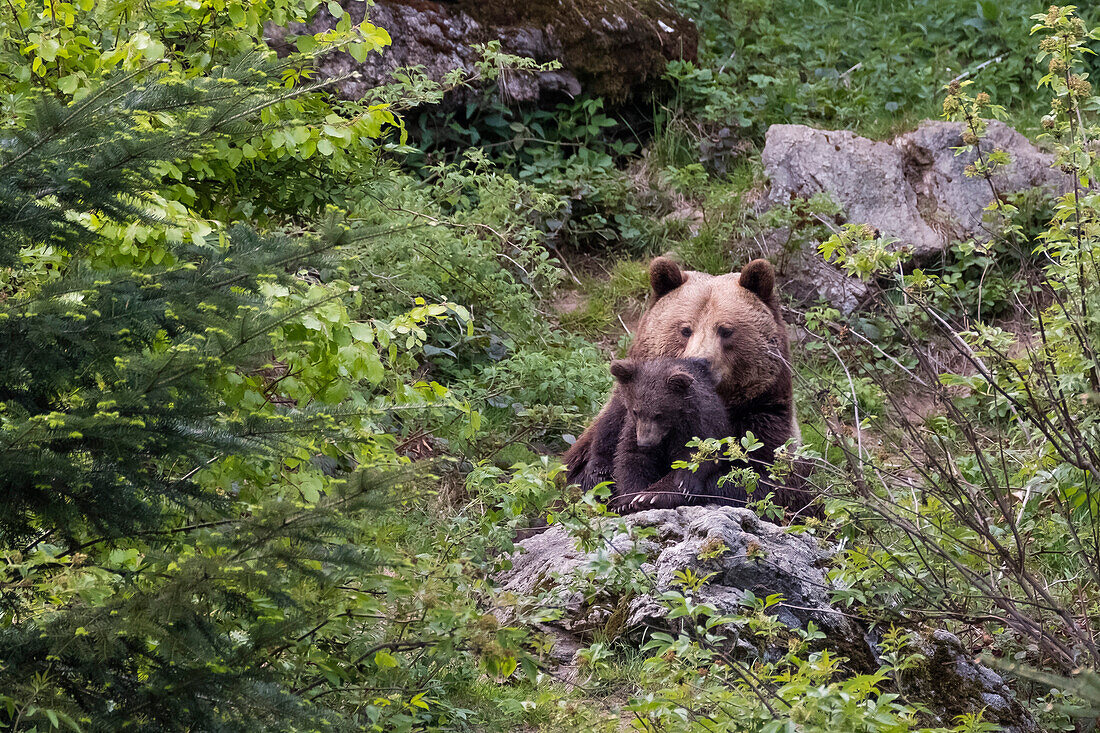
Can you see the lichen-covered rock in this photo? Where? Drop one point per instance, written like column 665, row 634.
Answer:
column 606, row 47
column 865, row 177
column 913, row 189
column 959, row 684
column 736, row 548
column 740, row 552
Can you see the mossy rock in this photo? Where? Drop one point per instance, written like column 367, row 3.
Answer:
column 608, row 48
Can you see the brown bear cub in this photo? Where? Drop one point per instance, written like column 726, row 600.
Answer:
column 667, row 402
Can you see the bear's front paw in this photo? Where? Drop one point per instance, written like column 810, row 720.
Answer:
column 648, row 500
column 620, row 504
column 631, row 503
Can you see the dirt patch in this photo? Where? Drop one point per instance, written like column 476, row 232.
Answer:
column 568, row 301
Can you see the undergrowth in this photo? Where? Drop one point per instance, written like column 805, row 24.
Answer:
column 278, row 497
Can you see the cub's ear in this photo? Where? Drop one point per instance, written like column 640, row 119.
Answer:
column 624, row 370
column 758, row 277
column 680, row 381
column 664, row 276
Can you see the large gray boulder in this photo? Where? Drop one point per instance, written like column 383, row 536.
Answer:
column 607, row 48
column 865, row 177
column 577, row 596
column 739, row 550
column 913, row 189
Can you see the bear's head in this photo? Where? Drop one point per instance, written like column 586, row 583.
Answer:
column 732, row 321
column 657, row 393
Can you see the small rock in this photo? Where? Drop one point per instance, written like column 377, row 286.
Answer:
column 956, row 683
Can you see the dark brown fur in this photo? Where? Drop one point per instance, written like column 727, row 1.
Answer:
column 667, row 402
column 734, row 323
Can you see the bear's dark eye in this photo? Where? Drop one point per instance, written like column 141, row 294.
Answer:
column 725, row 332
column 686, row 332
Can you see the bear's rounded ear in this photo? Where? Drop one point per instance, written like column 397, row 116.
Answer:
column 664, row 276
column 758, row 277
column 623, row 370
column 680, row 381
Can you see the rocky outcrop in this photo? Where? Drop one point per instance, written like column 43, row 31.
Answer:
column 739, row 552
column 606, row 47
column 865, row 177
column 736, row 548
column 912, row 188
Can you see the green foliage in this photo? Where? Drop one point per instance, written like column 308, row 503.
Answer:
column 166, row 636
column 106, row 395
column 572, row 153
column 860, row 252
column 997, row 418
column 261, row 475
column 206, row 529
column 284, row 164
column 849, row 64
column 182, row 546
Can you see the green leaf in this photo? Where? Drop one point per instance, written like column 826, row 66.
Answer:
column 375, row 35
column 154, row 51
column 305, row 44
column 361, row 331
column 310, row 486
column 68, row 84
column 359, row 51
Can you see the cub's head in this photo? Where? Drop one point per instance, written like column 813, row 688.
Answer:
column 731, row 321
column 657, row 393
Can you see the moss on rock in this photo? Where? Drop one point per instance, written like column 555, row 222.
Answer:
column 608, row 48
column 611, row 46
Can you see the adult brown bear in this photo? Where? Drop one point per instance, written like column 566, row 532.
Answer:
column 733, row 322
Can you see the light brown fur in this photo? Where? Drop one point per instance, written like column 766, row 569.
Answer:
column 747, row 363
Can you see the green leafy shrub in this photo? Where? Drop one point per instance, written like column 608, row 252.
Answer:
column 849, row 64
column 213, row 508
column 996, row 425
